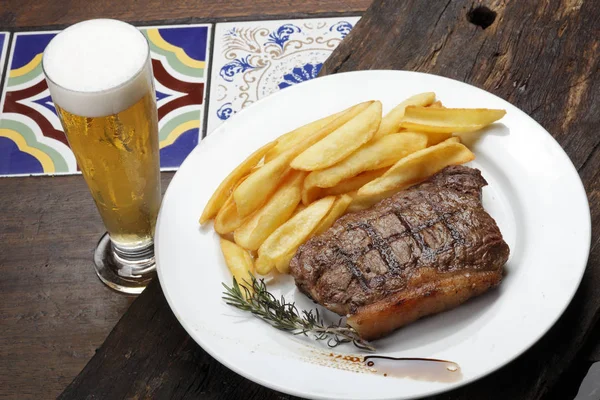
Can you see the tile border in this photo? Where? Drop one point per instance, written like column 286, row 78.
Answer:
column 208, row 85
column 9, row 60
column 252, row 59
column 211, row 23
column 202, row 109
column 4, row 51
column 208, row 61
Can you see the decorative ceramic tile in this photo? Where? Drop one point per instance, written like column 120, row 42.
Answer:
column 254, row 59
column 180, row 63
column 4, row 39
column 31, row 138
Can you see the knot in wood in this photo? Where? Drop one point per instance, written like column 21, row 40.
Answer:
column 481, row 16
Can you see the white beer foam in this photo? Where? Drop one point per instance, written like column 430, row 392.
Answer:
column 98, row 67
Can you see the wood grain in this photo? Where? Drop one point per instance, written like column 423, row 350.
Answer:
column 542, row 57
column 54, row 311
column 32, row 13
column 177, row 369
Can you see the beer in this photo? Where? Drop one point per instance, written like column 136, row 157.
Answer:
column 99, row 74
column 118, row 156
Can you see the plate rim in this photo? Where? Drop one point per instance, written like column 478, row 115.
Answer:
column 274, row 386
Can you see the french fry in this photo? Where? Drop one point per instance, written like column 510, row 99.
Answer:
column 299, row 185
column 298, row 209
column 434, row 138
column 346, row 186
column 290, row 139
column 363, row 202
column 257, row 188
column 449, row 120
column 311, row 194
column 416, row 167
column 264, row 265
column 239, row 262
column 283, row 264
column 391, row 122
column 220, row 195
column 380, row 153
column 227, row 219
column 342, row 142
column 291, row 234
column 274, row 213
column 337, row 210
column 354, row 183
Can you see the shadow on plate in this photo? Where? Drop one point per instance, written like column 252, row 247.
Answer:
column 470, row 139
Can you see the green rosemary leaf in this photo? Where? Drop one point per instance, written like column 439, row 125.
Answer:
column 285, row 316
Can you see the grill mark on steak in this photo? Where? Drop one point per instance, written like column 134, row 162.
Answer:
column 443, row 219
column 381, row 245
column 353, row 268
column 458, row 238
column 425, row 249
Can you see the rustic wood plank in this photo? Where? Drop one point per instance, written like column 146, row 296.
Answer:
column 54, row 311
column 32, row 13
column 542, row 57
column 177, row 368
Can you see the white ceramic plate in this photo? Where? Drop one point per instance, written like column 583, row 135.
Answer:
column 534, row 194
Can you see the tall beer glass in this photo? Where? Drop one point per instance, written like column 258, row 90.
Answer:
column 100, row 78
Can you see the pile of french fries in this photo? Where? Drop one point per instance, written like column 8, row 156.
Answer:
column 298, row 185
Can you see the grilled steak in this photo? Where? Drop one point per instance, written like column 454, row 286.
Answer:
column 422, row 251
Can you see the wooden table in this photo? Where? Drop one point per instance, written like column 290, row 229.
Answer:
column 54, row 313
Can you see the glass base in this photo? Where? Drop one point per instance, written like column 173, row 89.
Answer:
column 124, row 272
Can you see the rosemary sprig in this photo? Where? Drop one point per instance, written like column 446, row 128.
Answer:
column 285, row 316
